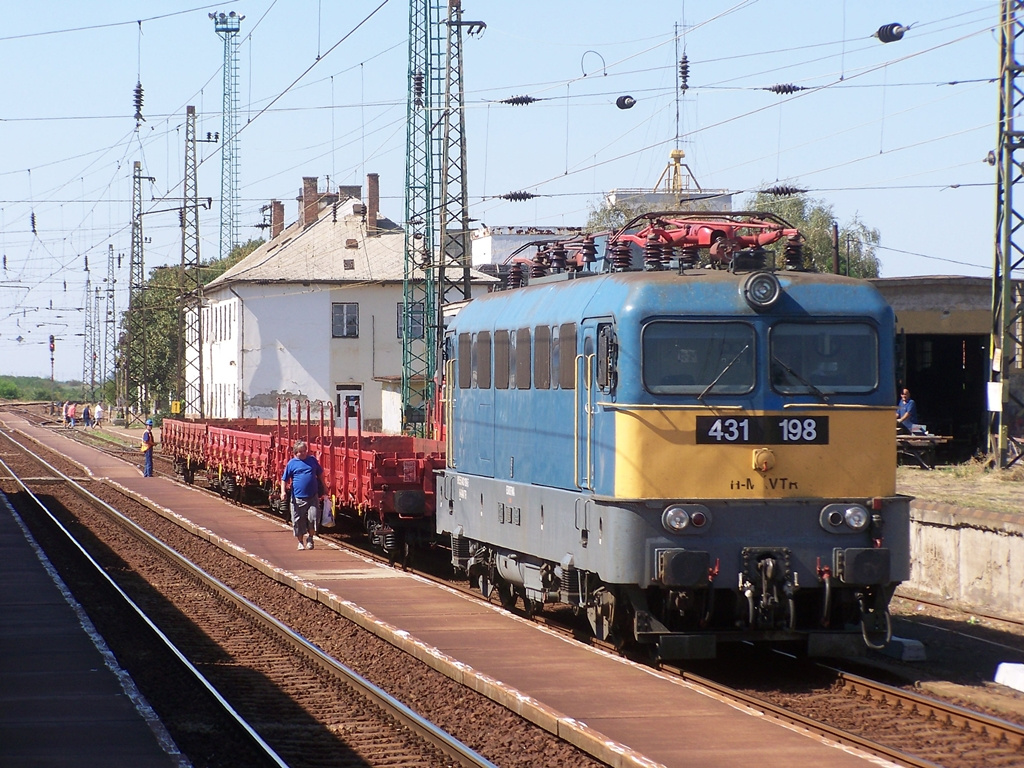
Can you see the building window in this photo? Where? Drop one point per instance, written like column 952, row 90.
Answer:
column 415, row 319
column 345, row 320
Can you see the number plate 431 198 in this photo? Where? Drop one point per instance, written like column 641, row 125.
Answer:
column 763, row 430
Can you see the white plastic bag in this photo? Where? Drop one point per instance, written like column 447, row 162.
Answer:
column 326, row 515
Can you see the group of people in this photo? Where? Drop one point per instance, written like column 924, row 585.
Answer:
column 90, row 416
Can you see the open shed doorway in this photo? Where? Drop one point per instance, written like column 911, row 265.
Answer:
column 947, row 376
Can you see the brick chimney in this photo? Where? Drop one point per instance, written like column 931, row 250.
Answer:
column 276, row 218
column 372, row 202
column 310, row 200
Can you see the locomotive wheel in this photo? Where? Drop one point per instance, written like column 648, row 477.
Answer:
column 506, row 594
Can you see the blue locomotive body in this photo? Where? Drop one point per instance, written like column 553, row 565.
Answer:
column 687, row 457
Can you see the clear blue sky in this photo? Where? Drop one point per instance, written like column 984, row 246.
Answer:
column 895, row 134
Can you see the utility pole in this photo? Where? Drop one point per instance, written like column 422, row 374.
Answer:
column 1004, row 344
column 227, row 26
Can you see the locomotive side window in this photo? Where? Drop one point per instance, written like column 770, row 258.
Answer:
column 567, row 355
column 482, row 360
column 501, row 359
column 824, row 357
column 465, row 361
column 554, row 357
column 542, row 357
column 523, row 358
column 698, row 358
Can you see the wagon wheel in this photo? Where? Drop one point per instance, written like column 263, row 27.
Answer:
column 399, row 555
column 506, row 594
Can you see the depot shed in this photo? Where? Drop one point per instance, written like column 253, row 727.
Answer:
column 943, row 325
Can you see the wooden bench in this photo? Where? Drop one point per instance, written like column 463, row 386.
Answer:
column 920, row 448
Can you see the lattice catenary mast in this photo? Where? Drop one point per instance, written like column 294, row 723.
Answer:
column 1005, row 343
column 227, row 26
column 190, row 284
column 418, row 332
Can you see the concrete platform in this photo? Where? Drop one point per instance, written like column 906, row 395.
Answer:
column 615, row 709
column 64, row 701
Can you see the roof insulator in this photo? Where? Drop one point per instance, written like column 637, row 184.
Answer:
column 519, row 101
column 517, row 197
column 784, row 89
column 783, row 190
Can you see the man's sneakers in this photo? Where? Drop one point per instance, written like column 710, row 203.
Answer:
column 309, row 542
column 301, row 547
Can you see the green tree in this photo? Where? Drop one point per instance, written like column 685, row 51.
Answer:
column 814, row 218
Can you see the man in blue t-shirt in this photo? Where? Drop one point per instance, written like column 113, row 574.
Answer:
column 906, row 413
column 305, row 473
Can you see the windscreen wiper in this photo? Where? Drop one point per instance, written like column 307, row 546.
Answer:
column 725, row 370
column 801, row 379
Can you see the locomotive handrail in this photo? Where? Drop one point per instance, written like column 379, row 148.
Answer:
column 449, row 414
column 588, row 406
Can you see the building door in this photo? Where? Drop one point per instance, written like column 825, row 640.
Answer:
column 348, row 405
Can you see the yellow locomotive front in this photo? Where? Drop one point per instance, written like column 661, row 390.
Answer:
column 757, row 441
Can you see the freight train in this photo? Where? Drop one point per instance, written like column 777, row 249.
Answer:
column 679, row 440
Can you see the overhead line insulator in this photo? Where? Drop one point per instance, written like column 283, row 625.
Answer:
column 519, row 101
column 784, row 89
column 783, row 190
column 890, row 33
column 517, row 197
column 684, row 73
column 138, row 103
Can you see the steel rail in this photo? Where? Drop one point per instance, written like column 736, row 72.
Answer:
column 428, row 731
column 254, row 737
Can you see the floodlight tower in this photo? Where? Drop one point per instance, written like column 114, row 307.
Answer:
column 227, row 26
column 1005, row 341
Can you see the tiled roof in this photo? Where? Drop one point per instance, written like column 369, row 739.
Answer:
column 333, row 249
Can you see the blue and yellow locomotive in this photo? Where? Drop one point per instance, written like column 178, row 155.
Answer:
column 685, row 445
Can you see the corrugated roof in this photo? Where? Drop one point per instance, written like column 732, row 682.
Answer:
column 333, row 249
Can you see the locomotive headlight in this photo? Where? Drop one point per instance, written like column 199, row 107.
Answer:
column 856, row 517
column 675, row 519
column 761, row 290
column 688, row 518
column 844, row 518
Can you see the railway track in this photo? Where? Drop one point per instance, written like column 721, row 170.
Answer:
column 915, row 731
column 268, row 680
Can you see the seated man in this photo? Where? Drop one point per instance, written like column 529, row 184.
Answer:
column 906, row 414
